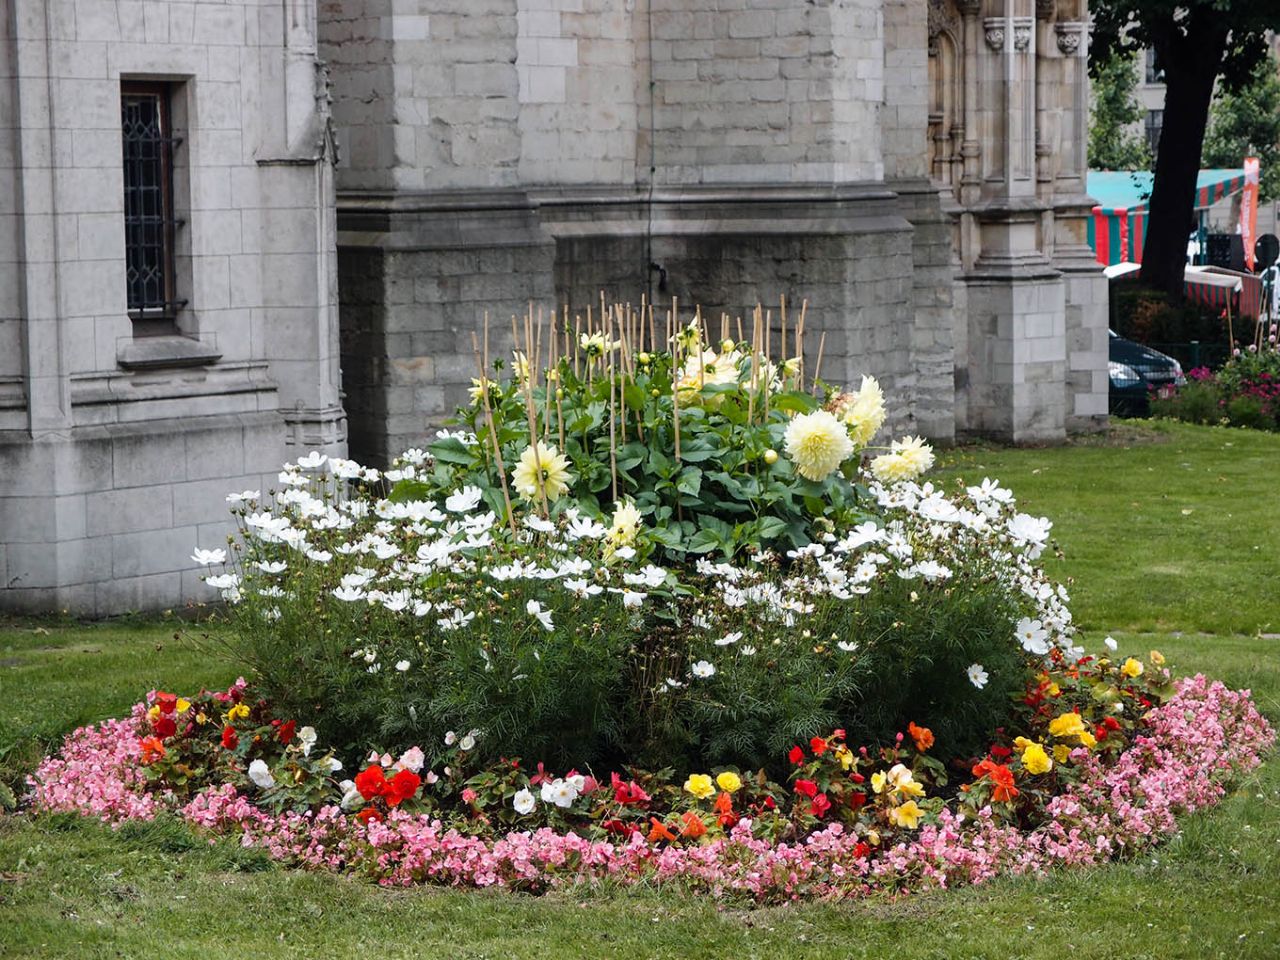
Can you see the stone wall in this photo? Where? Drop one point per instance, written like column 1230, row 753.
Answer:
column 117, row 449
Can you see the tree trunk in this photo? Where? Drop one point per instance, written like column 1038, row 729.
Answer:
column 1191, row 64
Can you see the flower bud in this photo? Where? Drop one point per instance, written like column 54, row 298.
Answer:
column 771, row 456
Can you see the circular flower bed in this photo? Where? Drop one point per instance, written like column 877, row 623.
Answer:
column 850, row 822
column 605, row 629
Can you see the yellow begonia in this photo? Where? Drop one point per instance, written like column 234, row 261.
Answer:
column 1066, row 725
column 878, row 781
column 845, row 756
column 183, row 705
column 907, row 815
column 903, row 782
column 153, row 714
column 1022, row 742
column 729, row 781
column 700, row 785
column 1132, row 668
column 1156, row 657
column 1035, row 760
column 1061, row 753
column 1087, row 739
column 238, row 712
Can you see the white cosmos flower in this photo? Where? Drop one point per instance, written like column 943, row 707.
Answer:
column 848, row 646
column 402, row 665
column 1032, row 635
column 534, row 522
column 464, row 501
column 319, row 556
column 1030, row 532
column 583, row 588
column 1111, row 644
column 209, row 557
column 729, row 638
column 534, row 608
column 932, row 570
column 272, row 567
column 349, row 594
column 223, row 581
column 703, row 669
column 307, row 739
column 990, row 490
column 312, row 461
column 260, row 774
column 583, row 528
column 415, row 456
column 244, row 496
column 524, row 802
column 748, row 650
column 632, row 598
column 977, row 676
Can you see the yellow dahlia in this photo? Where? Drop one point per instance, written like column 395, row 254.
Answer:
column 818, row 443
column 863, row 412
column 542, row 469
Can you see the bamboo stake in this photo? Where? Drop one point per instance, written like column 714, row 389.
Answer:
column 577, row 341
column 613, row 416
column 817, row 367
column 755, row 368
column 533, row 427
column 675, row 378
column 804, row 307
column 493, row 430
column 768, row 327
column 782, row 310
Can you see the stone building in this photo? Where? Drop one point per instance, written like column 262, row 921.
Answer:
column 184, row 259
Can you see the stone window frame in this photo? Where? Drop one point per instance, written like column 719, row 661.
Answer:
column 170, row 96
column 1152, row 126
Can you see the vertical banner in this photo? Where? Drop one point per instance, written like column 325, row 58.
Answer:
column 1249, row 208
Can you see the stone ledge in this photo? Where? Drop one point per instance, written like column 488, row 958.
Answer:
column 150, row 353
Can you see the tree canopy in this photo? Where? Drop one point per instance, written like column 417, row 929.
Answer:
column 1113, row 144
column 1246, row 123
column 1197, row 44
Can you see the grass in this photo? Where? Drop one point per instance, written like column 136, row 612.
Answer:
column 1190, row 583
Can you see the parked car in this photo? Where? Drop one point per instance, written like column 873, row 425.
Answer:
column 1137, row 371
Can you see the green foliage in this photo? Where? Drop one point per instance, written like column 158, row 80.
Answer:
column 693, row 437
column 1246, row 123
column 1114, row 144
column 1244, row 393
column 1197, row 402
column 910, row 650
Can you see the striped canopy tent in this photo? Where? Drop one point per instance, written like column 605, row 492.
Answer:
column 1118, row 227
column 1239, row 294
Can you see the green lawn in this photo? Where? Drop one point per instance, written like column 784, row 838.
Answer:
column 1191, row 583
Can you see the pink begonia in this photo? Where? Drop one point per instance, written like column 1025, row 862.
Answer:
column 1191, row 746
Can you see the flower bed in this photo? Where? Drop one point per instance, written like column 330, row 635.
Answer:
column 1015, row 815
column 1245, row 392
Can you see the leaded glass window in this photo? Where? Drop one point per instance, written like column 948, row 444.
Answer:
column 149, row 221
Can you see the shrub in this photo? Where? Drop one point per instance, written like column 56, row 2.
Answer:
column 1244, row 393
column 1200, row 401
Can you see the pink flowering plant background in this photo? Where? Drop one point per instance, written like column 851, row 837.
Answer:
column 835, row 830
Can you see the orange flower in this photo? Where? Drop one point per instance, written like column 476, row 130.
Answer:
column 1003, row 790
column 152, row 750
column 659, row 831
column 693, row 826
column 923, row 736
column 724, row 803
